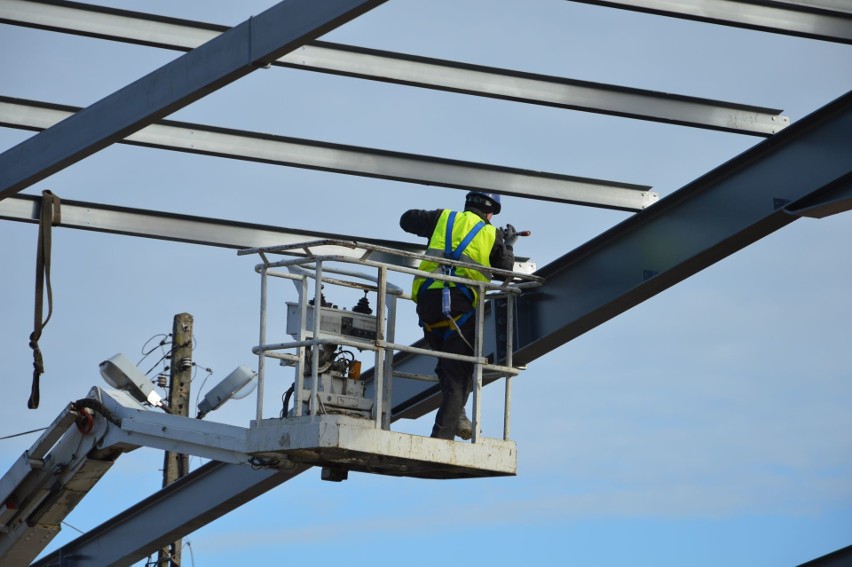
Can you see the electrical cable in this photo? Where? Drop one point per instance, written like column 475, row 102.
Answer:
column 201, row 388
column 162, row 358
column 209, row 371
column 344, row 352
column 285, row 399
column 166, row 337
column 72, row 527
column 100, row 408
column 188, row 545
column 23, row 433
column 167, row 355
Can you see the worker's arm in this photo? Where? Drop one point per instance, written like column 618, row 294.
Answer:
column 502, row 254
column 420, row 222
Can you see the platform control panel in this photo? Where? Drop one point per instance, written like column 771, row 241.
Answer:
column 333, row 321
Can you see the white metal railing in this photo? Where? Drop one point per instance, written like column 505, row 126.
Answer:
column 315, row 260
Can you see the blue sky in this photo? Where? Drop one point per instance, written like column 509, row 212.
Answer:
column 708, row 426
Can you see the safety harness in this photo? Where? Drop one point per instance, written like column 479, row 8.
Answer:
column 451, row 324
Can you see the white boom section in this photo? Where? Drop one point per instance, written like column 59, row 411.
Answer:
column 45, row 484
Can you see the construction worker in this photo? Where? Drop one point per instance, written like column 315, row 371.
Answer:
column 447, row 312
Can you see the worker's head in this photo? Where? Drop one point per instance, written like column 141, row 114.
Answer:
column 487, row 203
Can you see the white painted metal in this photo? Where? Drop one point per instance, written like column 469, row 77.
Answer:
column 135, row 27
column 827, row 20
column 314, row 260
column 353, row 160
column 357, row 444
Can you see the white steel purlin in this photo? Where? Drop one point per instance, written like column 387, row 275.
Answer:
column 560, row 92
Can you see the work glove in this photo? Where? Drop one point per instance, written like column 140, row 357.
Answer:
column 510, row 235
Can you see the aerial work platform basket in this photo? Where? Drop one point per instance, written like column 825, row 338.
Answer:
column 340, row 419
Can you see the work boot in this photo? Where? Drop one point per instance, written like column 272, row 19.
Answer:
column 465, row 428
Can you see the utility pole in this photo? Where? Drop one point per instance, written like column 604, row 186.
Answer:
column 176, row 465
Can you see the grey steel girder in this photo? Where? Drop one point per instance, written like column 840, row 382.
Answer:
column 252, row 146
column 234, row 54
column 805, row 168
column 207, row 493
column 172, row 33
column 716, row 215
column 828, row 20
column 653, row 250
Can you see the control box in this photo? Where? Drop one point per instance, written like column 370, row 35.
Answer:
column 333, row 321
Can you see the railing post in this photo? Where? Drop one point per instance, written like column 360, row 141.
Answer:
column 510, row 346
column 298, row 399
column 477, row 366
column 315, row 345
column 391, row 338
column 378, row 375
column 261, row 354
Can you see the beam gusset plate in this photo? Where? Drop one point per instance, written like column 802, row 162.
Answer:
column 352, row 160
column 826, row 20
column 234, row 54
column 171, row 33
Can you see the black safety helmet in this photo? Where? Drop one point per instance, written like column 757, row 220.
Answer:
column 485, row 202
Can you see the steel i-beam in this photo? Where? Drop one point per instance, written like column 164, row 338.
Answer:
column 827, row 20
column 171, row 33
column 251, row 45
column 352, row 160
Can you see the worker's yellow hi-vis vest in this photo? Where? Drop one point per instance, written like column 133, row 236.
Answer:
column 477, row 252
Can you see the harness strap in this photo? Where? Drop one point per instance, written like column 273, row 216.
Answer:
column 448, row 243
column 434, row 327
column 448, row 235
column 451, row 324
column 50, row 215
column 455, row 255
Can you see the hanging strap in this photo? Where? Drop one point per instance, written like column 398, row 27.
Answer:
column 50, row 215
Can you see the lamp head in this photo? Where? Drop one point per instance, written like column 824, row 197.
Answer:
column 122, row 374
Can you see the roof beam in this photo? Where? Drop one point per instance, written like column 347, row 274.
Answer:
column 826, row 20
column 171, row 33
column 234, row 54
column 180, row 228
column 339, row 158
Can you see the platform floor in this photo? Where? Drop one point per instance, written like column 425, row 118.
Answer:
column 349, row 443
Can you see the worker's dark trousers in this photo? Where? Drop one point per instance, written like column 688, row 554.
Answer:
column 454, row 376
